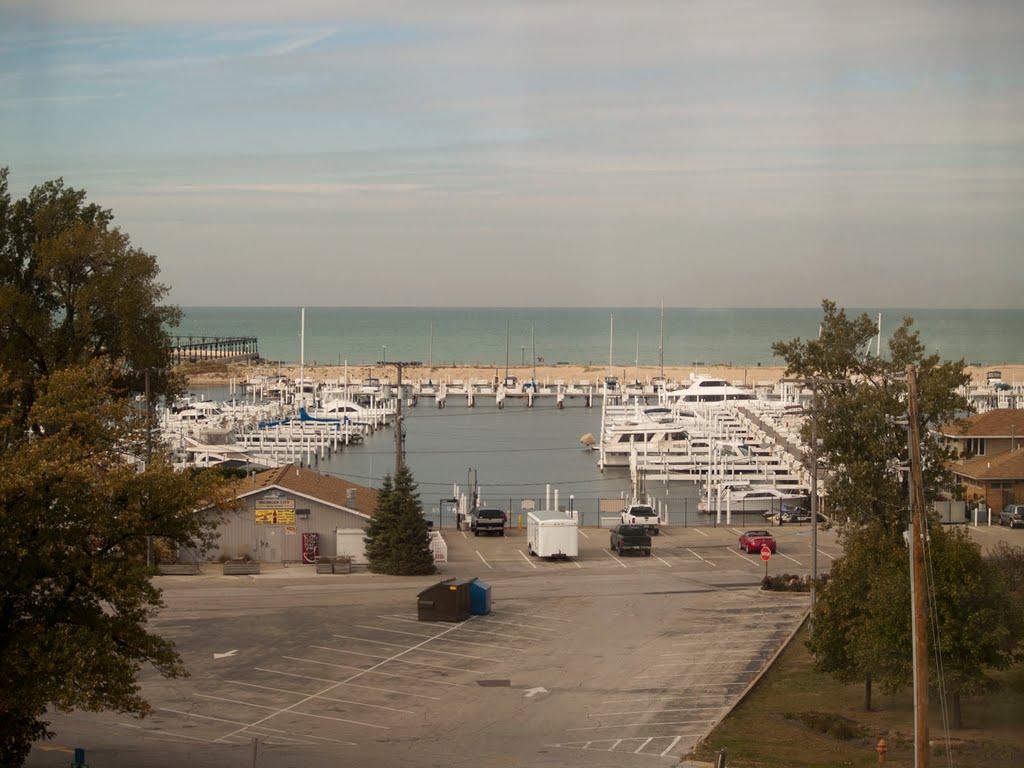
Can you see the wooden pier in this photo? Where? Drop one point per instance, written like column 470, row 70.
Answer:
column 194, row 349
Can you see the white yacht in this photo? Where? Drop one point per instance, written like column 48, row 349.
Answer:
column 707, row 389
column 740, row 496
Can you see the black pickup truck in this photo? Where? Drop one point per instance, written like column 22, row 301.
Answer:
column 630, row 538
column 488, row 521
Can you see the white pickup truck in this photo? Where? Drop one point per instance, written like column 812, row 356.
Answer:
column 642, row 514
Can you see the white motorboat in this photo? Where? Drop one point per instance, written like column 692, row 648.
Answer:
column 619, row 441
column 707, row 389
column 746, row 497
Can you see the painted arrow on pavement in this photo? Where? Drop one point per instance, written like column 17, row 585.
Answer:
column 531, row 692
column 225, row 655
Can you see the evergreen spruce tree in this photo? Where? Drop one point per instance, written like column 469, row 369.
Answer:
column 396, row 540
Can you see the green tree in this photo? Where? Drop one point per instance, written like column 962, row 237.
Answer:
column 862, row 626
column 862, row 410
column 74, row 289
column 396, row 539
column 75, row 590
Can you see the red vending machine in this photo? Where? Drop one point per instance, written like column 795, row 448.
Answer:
column 310, row 547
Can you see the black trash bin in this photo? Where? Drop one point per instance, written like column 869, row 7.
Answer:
column 448, row 600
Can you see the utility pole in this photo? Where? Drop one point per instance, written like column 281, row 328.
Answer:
column 149, row 459
column 918, row 579
column 399, row 424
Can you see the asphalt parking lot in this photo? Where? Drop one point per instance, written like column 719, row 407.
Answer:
column 600, row 660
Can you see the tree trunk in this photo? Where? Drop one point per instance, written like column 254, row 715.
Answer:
column 958, row 720
column 867, row 691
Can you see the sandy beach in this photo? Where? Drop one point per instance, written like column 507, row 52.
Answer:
column 223, row 373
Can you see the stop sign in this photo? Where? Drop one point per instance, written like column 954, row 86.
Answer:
column 766, row 554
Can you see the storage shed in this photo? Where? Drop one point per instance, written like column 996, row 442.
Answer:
column 292, row 514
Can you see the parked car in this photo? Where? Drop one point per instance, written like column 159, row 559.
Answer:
column 798, row 516
column 642, row 515
column 488, row 521
column 630, row 538
column 1012, row 515
column 753, row 541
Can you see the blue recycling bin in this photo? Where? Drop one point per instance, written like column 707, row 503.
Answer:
column 479, row 598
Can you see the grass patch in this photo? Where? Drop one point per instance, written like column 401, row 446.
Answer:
column 796, row 717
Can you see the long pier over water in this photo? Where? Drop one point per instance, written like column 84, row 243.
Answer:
column 193, row 349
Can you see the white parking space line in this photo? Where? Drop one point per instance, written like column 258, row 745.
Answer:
column 398, row 661
column 293, row 711
column 447, row 639
column 537, row 616
column 743, row 650
column 424, row 650
column 398, row 631
column 649, row 698
column 176, row 736
column 527, row 559
column 826, row 554
column 669, row 747
column 505, row 635
column 583, row 533
column 614, row 745
column 780, row 554
column 324, row 698
column 704, row 560
column 482, row 558
column 745, row 559
column 698, row 530
column 641, row 725
column 488, row 621
column 613, row 557
column 177, row 626
column 646, row 711
column 646, row 741
column 349, row 685
column 262, row 727
column 373, row 671
column 658, row 558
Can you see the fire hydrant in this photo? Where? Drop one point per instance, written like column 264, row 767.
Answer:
column 881, row 748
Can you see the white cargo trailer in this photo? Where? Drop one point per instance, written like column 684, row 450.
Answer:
column 550, row 533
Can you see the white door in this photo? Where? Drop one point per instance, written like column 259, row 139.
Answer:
column 349, row 541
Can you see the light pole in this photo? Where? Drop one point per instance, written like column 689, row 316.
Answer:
column 384, row 354
column 813, row 382
column 523, row 348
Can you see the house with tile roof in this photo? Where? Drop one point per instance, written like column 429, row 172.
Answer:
column 996, row 479
column 986, row 434
column 280, row 513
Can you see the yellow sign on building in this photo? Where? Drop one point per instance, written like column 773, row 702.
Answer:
column 275, row 516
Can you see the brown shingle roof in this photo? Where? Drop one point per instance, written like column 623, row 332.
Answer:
column 312, row 484
column 1002, row 466
column 999, row 422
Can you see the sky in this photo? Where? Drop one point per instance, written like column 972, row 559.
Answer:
column 704, row 153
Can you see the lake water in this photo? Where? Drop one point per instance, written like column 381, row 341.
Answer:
column 472, row 336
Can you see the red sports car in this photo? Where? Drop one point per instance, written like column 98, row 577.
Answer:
column 752, row 541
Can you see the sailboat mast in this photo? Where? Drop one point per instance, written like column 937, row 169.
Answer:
column 302, row 346
column 661, row 344
column 506, row 349
column 611, row 341
column 919, row 586
column 533, row 343
column 637, row 361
